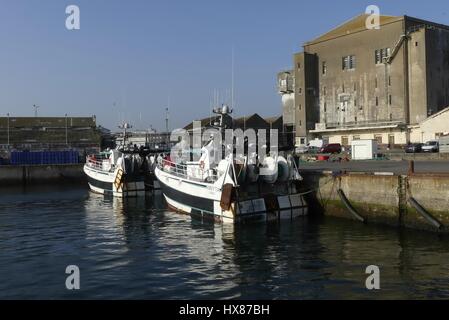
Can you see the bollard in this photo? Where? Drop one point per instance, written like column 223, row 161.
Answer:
column 411, row 167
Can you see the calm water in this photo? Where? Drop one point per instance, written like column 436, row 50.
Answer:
column 135, row 249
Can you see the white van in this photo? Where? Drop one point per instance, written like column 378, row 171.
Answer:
column 444, row 144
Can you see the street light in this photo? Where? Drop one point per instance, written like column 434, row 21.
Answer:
column 8, row 128
column 66, row 135
column 35, row 110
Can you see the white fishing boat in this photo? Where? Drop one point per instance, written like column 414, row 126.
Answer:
column 115, row 173
column 119, row 172
column 212, row 190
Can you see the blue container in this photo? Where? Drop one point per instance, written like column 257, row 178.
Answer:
column 44, row 157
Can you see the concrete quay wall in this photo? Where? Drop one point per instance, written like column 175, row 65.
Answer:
column 382, row 199
column 39, row 174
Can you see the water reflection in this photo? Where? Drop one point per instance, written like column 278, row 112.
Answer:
column 134, row 248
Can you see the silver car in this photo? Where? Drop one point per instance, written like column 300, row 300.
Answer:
column 431, row 146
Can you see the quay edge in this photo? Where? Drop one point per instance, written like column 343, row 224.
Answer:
column 382, row 199
column 41, row 174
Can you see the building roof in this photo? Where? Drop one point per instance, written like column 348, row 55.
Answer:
column 357, row 24
column 47, row 122
column 272, row 120
column 239, row 122
column 204, row 123
column 433, row 116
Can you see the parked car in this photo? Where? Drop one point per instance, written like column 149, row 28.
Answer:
column 431, row 146
column 331, row 148
column 302, row 149
column 414, row 148
column 307, row 149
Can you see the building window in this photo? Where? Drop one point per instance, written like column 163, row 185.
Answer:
column 344, row 140
column 324, row 91
column 390, row 99
column 324, row 68
column 348, row 62
column 343, row 88
column 355, row 119
column 356, row 137
column 355, row 87
column 375, row 82
column 300, row 123
column 300, row 90
column 381, row 55
column 389, row 81
column 300, row 107
column 378, row 138
column 325, row 106
column 391, row 140
column 377, row 101
column 416, row 44
column 299, row 65
column 355, row 102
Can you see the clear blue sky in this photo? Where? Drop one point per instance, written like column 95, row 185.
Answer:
column 136, row 53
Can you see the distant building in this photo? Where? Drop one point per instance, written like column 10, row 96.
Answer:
column 432, row 128
column 154, row 140
column 49, row 133
column 354, row 83
column 254, row 122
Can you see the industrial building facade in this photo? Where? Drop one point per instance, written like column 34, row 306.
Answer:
column 356, row 83
column 49, row 134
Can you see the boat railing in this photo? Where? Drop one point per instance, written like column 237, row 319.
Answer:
column 98, row 164
column 191, row 171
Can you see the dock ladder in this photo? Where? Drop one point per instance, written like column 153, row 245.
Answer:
column 119, row 179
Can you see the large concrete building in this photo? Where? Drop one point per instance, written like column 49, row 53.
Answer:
column 359, row 83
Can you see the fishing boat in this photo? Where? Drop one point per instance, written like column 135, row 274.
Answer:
column 115, row 173
column 212, row 189
column 119, row 172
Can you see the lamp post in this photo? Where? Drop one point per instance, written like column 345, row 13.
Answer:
column 8, row 127
column 35, row 110
column 66, row 135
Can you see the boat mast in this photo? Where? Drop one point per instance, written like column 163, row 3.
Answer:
column 125, row 126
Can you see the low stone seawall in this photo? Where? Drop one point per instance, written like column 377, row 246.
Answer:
column 382, row 198
column 38, row 174
column 418, row 156
column 396, row 156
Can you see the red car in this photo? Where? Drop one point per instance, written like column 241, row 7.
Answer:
column 331, row 148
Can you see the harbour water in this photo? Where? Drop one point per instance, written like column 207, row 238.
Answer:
column 135, row 249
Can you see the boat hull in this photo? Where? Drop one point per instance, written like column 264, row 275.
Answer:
column 202, row 199
column 103, row 183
